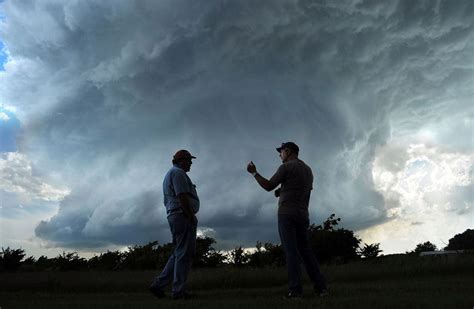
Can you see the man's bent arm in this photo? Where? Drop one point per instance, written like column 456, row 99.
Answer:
column 265, row 183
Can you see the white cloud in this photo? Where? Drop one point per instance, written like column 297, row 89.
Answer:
column 414, row 174
column 17, row 176
column 421, row 186
column 4, row 117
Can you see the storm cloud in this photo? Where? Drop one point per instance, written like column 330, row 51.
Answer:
column 107, row 91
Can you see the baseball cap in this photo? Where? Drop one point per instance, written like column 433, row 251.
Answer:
column 289, row 145
column 183, row 154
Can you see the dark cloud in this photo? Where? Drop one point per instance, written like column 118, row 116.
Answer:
column 84, row 222
column 116, row 89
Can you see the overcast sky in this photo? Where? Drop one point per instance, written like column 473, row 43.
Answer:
column 96, row 96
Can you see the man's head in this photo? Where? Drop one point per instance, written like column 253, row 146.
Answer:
column 183, row 159
column 288, row 150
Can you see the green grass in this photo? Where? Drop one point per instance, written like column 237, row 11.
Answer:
column 390, row 282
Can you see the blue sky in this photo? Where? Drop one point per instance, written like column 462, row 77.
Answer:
column 378, row 95
column 3, row 56
column 9, row 124
column 9, row 128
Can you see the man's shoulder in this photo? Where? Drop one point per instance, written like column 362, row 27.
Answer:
column 177, row 170
column 288, row 165
column 174, row 171
column 297, row 164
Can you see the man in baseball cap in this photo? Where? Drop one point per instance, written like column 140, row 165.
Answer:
column 289, row 145
column 296, row 180
column 183, row 154
column 181, row 203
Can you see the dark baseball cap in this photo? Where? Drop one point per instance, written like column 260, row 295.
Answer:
column 289, row 145
column 183, row 154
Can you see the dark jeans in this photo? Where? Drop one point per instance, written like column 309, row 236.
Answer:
column 179, row 263
column 294, row 236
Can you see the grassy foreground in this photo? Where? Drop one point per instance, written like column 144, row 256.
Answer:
column 388, row 282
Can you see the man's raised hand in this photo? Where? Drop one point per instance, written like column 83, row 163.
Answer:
column 251, row 168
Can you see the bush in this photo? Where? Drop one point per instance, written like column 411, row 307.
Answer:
column 10, row 259
column 267, row 255
column 464, row 241
column 238, row 257
column 206, row 255
column 426, row 246
column 333, row 245
column 45, row 263
column 370, row 251
column 110, row 260
column 142, row 257
column 69, row 261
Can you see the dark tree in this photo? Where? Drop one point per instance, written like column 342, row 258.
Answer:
column 276, row 253
column 329, row 224
column 10, row 259
column 29, row 261
column 28, row 264
column 69, row 261
column 142, row 257
column 463, row 241
column 206, row 255
column 44, row 263
column 426, row 246
column 267, row 255
column 238, row 257
column 110, row 260
column 332, row 245
column 370, row 251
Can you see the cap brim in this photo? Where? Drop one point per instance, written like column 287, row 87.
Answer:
column 183, row 158
column 279, row 149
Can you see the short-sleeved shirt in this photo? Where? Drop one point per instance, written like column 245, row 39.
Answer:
column 177, row 181
column 296, row 179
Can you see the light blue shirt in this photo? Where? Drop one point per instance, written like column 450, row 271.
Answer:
column 177, row 181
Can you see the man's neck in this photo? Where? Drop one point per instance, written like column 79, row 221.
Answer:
column 179, row 166
column 291, row 158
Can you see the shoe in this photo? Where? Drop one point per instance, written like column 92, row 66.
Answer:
column 157, row 292
column 322, row 293
column 293, row 295
column 184, row 295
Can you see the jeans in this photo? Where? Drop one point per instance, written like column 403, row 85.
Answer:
column 179, row 263
column 294, row 236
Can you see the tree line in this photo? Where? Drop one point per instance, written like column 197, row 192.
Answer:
column 330, row 244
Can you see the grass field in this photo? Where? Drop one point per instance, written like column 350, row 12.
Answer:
column 388, row 282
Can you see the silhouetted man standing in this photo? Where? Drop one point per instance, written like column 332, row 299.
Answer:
column 296, row 179
column 182, row 204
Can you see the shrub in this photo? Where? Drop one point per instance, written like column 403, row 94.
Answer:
column 142, row 257
column 331, row 244
column 370, row 251
column 464, row 241
column 206, row 255
column 267, row 255
column 238, row 257
column 69, row 261
column 10, row 259
column 110, row 260
column 426, row 246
